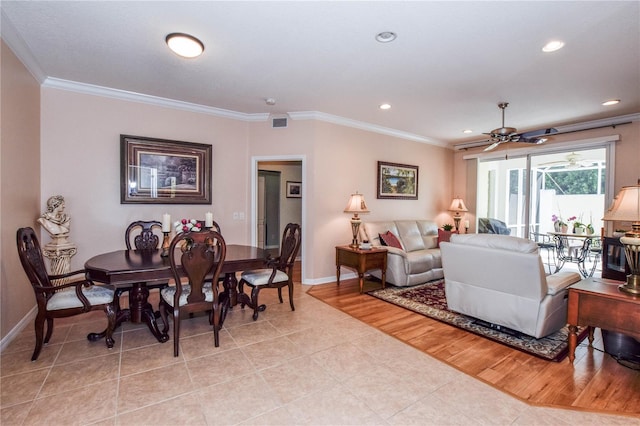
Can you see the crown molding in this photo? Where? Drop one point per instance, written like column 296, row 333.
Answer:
column 19, row 47
column 125, row 95
column 347, row 122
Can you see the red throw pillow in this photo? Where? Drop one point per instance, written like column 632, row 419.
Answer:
column 444, row 236
column 388, row 239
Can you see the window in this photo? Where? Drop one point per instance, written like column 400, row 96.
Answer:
column 565, row 184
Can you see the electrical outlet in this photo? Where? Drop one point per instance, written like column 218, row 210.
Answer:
column 235, row 215
column 241, row 215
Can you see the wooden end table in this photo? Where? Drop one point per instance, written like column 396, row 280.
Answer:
column 597, row 302
column 362, row 261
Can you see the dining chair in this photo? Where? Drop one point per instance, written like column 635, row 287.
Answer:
column 278, row 274
column 60, row 300
column 545, row 242
column 140, row 235
column 201, row 255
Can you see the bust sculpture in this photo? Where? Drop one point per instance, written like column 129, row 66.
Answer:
column 55, row 221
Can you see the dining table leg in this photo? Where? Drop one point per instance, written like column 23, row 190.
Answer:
column 230, row 284
column 139, row 311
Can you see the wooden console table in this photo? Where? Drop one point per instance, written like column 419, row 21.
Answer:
column 362, row 261
column 597, row 302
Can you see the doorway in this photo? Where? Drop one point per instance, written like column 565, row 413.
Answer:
column 291, row 209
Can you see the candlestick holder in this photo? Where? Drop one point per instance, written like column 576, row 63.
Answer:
column 165, row 245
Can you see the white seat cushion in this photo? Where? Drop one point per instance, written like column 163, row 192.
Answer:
column 66, row 299
column 168, row 293
column 261, row 276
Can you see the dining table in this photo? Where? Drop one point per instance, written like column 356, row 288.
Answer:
column 137, row 269
column 575, row 248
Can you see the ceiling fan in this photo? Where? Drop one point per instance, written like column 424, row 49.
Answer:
column 510, row 134
column 572, row 161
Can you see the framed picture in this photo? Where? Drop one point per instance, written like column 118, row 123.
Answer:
column 397, row 181
column 160, row 171
column 294, row 189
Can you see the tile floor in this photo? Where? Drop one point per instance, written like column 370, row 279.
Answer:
column 315, row 366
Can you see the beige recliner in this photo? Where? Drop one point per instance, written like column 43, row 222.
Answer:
column 500, row 279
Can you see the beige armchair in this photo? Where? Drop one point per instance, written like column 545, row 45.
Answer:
column 500, row 279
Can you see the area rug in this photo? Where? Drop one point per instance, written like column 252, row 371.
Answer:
column 430, row 300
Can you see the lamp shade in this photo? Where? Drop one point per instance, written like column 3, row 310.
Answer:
column 626, row 205
column 356, row 204
column 457, row 205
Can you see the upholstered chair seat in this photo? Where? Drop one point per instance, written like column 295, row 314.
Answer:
column 168, row 294
column 67, row 298
column 262, row 276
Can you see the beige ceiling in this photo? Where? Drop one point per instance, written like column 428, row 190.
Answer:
column 450, row 65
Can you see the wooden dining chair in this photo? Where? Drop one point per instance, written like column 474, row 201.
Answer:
column 60, row 300
column 201, row 256
column 279, row 273
column 141, row 235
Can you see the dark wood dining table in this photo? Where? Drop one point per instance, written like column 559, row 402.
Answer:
column 136, row 269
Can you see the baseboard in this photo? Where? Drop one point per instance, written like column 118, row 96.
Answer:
column 22, row 324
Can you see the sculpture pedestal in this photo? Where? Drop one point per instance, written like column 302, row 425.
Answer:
column 60, row 252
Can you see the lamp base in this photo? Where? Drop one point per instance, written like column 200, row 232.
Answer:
column 632, row 286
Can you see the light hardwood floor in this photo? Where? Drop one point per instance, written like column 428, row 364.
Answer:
column 596, row 382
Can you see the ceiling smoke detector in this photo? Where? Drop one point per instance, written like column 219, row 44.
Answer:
column 386, row 36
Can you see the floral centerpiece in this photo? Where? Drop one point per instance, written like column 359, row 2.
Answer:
column 187, row 225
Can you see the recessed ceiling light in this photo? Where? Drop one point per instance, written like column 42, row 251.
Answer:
column 552, row 46
column 467, row 131
column 385, row 106
column 386, row 36
column 185, row 45
column 611, row 102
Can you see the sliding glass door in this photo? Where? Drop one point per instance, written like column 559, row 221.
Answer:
column 527, row 192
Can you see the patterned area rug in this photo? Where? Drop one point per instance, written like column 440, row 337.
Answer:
column 429, row 300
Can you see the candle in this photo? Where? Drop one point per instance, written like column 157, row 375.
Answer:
column 166, row 222
column 466, row 223
column 208, row 220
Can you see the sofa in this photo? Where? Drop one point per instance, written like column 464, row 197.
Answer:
column 417, row 260
column 500, row 279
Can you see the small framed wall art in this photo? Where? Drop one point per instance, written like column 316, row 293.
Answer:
column 397, row 181
column 294, row 189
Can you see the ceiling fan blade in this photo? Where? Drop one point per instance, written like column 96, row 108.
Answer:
column 492, row 146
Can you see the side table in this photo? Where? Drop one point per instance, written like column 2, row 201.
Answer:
column 597, row 302
column 362, row 261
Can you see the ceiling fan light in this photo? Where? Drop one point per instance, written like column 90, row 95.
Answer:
column 552, row 46
column 185, row 45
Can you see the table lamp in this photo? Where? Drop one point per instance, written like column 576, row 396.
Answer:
column 626, row 207
column 356, row 205
column 457, row 206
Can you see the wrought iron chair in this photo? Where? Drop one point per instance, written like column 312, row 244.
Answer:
column 279, row 273
column 60, row 300
column 202, row 255
column 545, row 242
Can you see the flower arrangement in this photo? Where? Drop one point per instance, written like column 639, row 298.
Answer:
column 187, row 225
column 557, row 220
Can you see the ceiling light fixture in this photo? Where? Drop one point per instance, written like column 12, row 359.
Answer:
column 552, row 46
column 467, row 131
column 611, row 102
column 386, row 36
column 385, row 106
column 185, row 45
